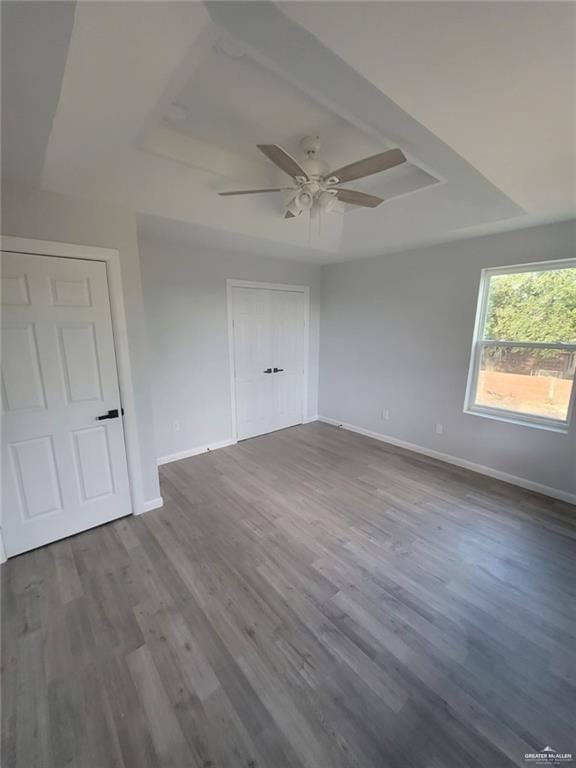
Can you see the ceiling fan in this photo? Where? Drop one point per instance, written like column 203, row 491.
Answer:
column 314, row 187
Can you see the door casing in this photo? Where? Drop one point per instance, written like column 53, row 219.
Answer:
column 305, row 290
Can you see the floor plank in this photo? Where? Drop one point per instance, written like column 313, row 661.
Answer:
column 307, row 599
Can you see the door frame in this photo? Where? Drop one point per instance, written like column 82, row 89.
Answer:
column 305, row 290
column 111, row 259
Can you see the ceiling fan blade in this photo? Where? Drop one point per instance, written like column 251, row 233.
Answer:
column 252, row 191
column 368, row 166
column 354, row 197
column 283, row 160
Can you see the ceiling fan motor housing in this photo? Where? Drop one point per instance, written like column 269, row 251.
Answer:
column 314, row 168
column 310, row 145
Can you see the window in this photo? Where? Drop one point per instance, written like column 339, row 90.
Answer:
column 524, row 354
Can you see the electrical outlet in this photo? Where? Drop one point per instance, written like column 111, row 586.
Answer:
column 439, row 429
column 386, row 414
column 176, row 425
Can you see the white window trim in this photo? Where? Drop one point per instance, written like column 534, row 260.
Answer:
column 502, row 414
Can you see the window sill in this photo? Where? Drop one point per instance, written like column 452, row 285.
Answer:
column 518, row 420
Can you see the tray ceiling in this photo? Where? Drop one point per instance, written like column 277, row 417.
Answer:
column 248, row 73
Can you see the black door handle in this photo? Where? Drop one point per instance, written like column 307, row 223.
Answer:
column 268, row 370
column 113, row 414
column 277, row 370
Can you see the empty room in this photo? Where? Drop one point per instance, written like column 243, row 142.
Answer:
column 288, row 368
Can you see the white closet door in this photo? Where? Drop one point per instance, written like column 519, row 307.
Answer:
column 252, row 358
column 288, row 356
column 64, row 470
column 268, row 334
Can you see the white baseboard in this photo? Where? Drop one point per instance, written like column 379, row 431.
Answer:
column 529, row 485
column 151, row 504
column 211, row 447
column 194, row 451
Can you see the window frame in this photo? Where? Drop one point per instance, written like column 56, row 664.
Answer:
column 478, row 344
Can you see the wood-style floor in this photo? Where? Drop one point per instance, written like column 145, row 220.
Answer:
column 310, row 598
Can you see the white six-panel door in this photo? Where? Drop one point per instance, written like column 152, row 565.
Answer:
column 64, row 470
column 268, row 328
column 287, row 320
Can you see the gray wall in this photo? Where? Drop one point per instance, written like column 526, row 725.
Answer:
column 51, row 216
column 185, row 300
column 396, row 333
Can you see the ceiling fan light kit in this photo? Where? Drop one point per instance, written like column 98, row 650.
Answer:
column 315, row 188
column 302, row 201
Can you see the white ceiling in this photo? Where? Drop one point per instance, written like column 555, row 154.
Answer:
column 494, row 80
column 478, row 95
column 35, row 39
column 234, row 102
